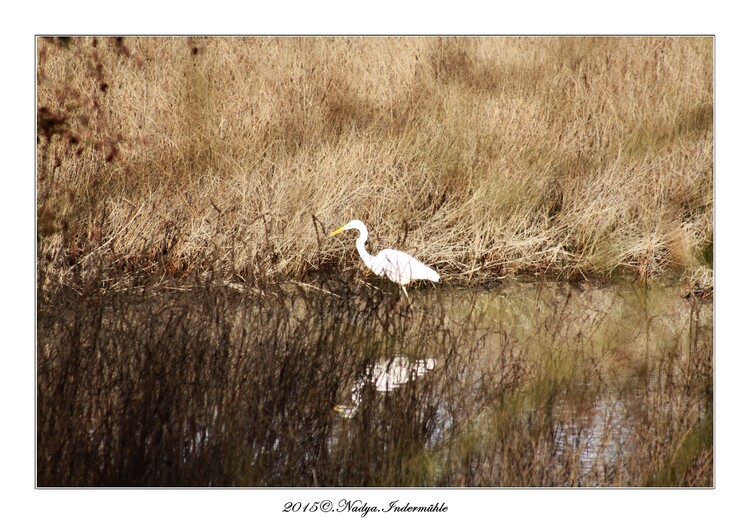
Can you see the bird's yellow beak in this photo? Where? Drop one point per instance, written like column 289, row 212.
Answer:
column 339, row 230
column 338, row 409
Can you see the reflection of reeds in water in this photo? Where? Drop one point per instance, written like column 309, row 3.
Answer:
column 213, row 386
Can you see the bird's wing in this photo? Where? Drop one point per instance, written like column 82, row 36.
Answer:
column 404, row 268
column 396, row 265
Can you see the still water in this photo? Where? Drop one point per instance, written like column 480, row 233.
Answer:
column 526, row 384
column 587, row 360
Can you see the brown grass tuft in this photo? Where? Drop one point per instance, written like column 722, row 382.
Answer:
column 482, row 156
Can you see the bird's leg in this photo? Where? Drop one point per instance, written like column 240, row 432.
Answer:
column 408, row 300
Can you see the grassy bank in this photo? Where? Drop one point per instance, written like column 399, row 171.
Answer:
column 482, row 156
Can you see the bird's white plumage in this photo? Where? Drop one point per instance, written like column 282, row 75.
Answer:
column 397, row 266
column 401, row 268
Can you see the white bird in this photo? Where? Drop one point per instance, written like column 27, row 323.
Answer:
column 396, row 265
column 386, row 375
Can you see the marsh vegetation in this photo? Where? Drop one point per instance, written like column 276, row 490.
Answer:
column 196, row 327
column 535, row 384
column 482, row 157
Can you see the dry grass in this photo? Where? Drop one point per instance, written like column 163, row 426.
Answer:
column 482, row 156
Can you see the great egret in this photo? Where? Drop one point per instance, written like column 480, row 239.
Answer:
column 396, row 265
column 386, row 375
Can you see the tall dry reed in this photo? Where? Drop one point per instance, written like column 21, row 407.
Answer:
column 482, row 156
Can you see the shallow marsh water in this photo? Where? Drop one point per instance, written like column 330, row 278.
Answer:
column 528, row 384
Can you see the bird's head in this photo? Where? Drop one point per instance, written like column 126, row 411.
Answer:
column 354, row 224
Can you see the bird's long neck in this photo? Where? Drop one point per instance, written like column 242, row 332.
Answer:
column 367, row 258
